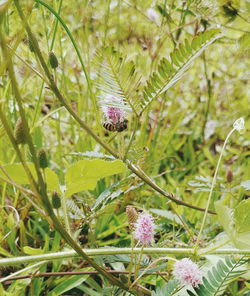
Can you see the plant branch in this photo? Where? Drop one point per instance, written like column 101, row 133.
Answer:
column 180, row 252
column 69, row 273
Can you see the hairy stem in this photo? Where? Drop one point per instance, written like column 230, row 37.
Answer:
column 180, row 252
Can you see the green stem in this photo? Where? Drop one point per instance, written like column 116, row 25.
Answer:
column 137, row 267
column 180, row 252
column 131, row 138
column 56, row 26
column 211, row 190
column 209, row 93
column 77, row 52
column 151, row 265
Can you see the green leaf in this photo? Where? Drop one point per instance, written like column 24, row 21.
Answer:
column 32, row 251
column 19, row 176
column 181, row 59
column 236, row 222
column 242, row 216
column 224, row 216
column 244, row 41
column 84, row 174
column 168, row 215
column 220, row 276
column 69, row 283
column 119, row 79
column 166, row 290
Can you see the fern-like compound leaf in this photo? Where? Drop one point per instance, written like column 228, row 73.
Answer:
column 118, row 79
column 216, row 281
column 168, row 73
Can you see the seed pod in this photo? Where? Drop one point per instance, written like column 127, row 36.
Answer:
column 53, row 60
column 42, row 157
column 132, row 216
column 20, row 134
column 56, row 200
column 229, row 176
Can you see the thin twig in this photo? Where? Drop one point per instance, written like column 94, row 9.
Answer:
column 69, row 273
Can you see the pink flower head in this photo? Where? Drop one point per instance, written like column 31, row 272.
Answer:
column 187, row 272
column 113, row 114
column 144, row 229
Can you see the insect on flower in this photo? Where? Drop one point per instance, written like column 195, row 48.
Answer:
column 115, row 117
column 116, row 127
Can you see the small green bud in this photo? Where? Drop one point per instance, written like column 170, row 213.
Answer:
column 42, row 157
column 20, row 134
column 56, row 200
column 53, row 60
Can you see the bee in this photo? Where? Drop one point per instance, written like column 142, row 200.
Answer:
column 120, row 126
column 109, row 126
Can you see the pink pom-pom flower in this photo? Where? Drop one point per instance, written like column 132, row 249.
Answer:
column 144, row 229
column 113, row 109
column 187, row 272
column 113, row 114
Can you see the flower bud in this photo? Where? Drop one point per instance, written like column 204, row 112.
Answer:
column 132, row 216
column 229, row 176
column 42, row 157
column 20, row 134
column 56, row 200
column 53, row 60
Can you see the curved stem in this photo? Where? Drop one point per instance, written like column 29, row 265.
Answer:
column 212, row 188
column 77, row 52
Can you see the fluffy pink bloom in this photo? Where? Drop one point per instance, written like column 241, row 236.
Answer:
column 144, row 229
column 113, row 109
column 187, row 272
column 113, row 114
